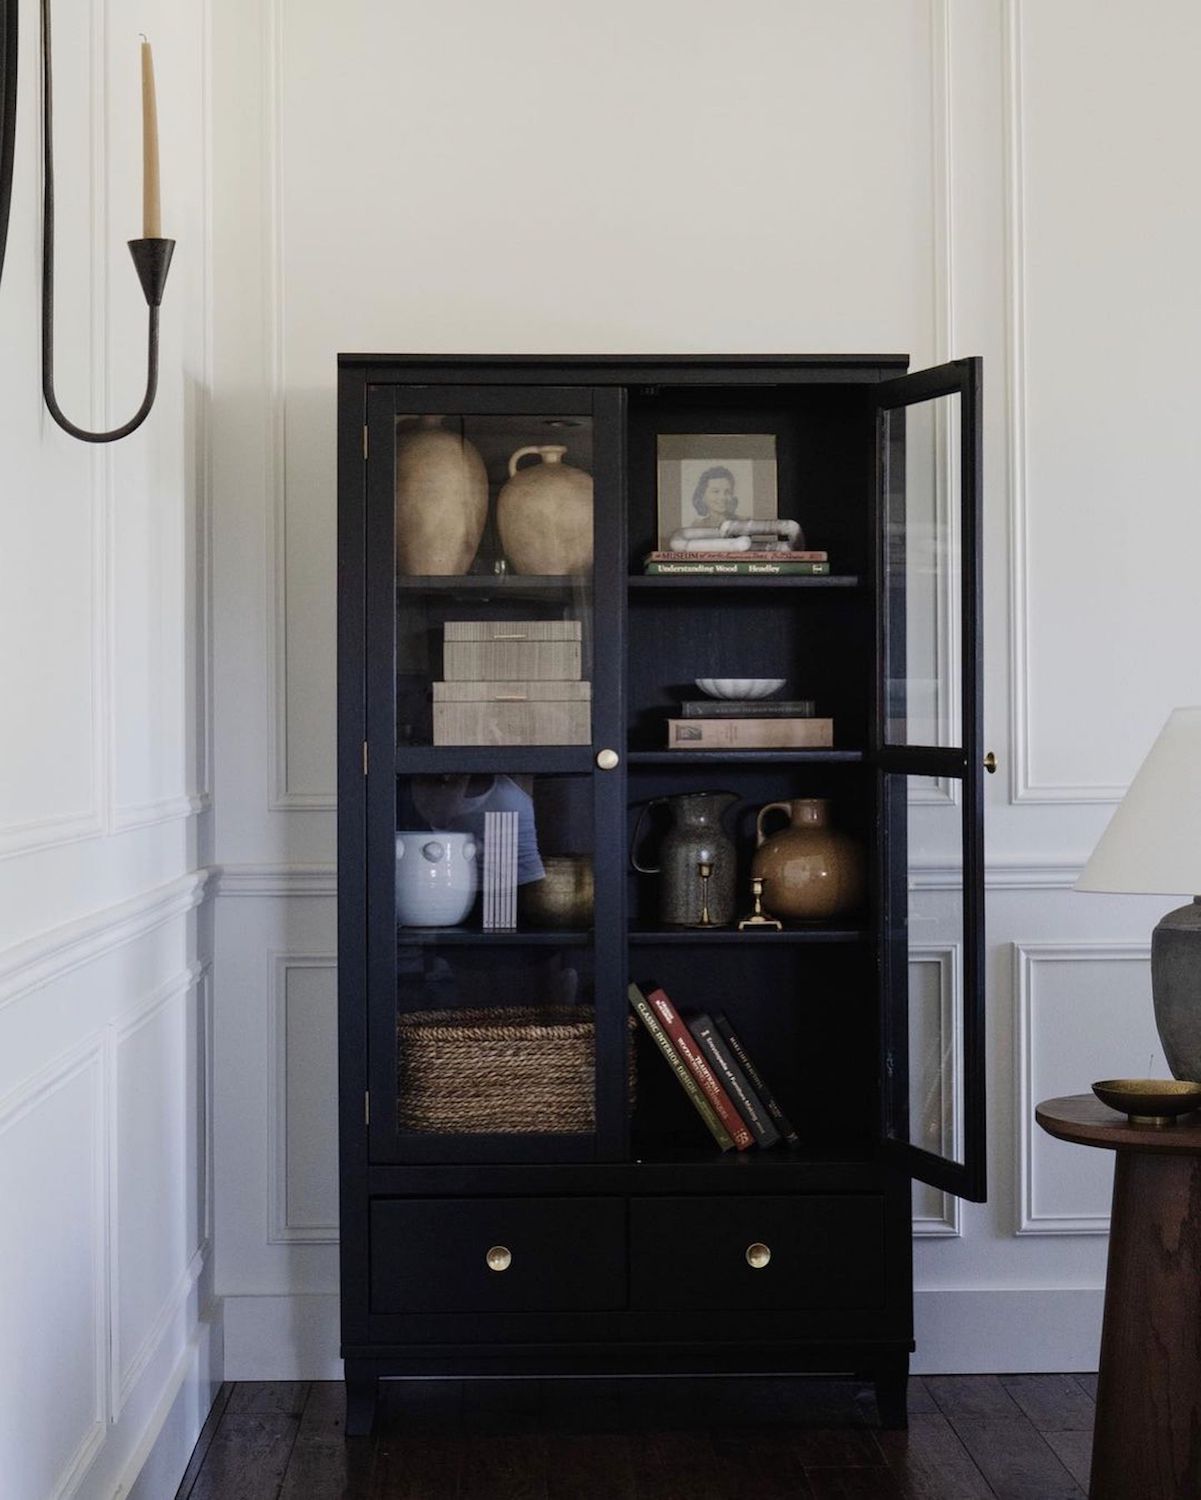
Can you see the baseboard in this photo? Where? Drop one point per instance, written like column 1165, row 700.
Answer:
column 958, row 1332
column 1010, row 1331
column 158, row 1462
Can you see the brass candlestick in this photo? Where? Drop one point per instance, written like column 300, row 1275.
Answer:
column 757, row 917
column 705, row 869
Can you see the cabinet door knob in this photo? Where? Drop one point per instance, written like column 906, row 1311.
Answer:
column 757, row 1256
column 608, row 760
column 499, row 1258
column 990, row 763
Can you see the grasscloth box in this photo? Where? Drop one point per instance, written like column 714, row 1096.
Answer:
column 511, row 651
column 512, row 713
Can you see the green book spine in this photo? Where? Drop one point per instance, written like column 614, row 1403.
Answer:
column 741, row 569
column 687, row 1082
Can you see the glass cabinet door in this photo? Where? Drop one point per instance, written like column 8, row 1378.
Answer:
column 494, row 517
column 929, row 752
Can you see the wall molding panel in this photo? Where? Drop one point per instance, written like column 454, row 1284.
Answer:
column 284, row 1228
column 1034, row 1216
column 125, row 1375
column 43, row 959
column 89, row 1057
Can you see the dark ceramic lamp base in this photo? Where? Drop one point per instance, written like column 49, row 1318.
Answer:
column 1176, row 988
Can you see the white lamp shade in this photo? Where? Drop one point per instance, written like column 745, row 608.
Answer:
column 1153, row 842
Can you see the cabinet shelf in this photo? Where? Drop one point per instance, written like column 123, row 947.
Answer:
column 481, row 586
column 642, row 582
column 743, row 757
column 851, row 933
column 476, row 937
column 488, row 760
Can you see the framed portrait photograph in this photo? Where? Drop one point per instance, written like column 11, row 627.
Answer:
column 706, row 478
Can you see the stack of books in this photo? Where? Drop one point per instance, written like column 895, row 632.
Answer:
column 500, row 871
column 713, row 1068
column 756, row 563
column 753, row 724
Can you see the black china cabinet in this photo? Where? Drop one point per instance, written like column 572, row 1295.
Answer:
column 528, row 1185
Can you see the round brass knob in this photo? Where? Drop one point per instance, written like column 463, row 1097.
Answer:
column 499, row 1258
column 990, row 763
column 757, row 1256
column 608, row 760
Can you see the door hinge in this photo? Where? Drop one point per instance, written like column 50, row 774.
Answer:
column 364, row 442
column 364, row 757
column 367, row 1108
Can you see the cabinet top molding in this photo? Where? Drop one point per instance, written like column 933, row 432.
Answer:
column 620, row 367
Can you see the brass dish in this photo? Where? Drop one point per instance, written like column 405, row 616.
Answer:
column 1149, row 1101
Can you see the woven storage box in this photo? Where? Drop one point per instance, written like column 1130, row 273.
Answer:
column 512, row 1070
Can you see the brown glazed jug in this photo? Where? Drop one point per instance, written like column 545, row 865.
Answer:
column 544, row 514
column 810, row 870
column 441, row 499
column 688, row 898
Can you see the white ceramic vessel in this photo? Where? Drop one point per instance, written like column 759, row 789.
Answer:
column 437, row 876
column 742, row 688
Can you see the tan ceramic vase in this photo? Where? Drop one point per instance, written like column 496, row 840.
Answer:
column 544, row 514
column 810, row 870
column 441, row 500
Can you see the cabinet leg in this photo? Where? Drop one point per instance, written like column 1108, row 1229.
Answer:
column 362, row 1393
column 892, row 1387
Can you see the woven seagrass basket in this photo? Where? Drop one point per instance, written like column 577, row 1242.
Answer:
column 512, row 1070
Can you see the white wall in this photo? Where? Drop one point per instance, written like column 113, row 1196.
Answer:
column 106, row 1331
column 939, row 176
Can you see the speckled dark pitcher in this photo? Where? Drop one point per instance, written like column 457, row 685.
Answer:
column 695, row 838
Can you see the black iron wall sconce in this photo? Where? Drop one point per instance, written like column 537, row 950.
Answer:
column 151, row 254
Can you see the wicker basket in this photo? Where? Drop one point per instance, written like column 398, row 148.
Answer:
column 512, row 1070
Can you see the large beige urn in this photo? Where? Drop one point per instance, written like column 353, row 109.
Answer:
column 810, row 870
column 544, row 514
column 441, row 499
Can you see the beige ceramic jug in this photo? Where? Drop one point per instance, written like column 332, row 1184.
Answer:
column 441, row 500
column 810, row 870
column 544, row 514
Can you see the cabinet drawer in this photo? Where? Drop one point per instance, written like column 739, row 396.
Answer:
column 822, row 1252
column 554, row 1254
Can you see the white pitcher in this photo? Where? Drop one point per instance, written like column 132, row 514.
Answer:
column 437, row 876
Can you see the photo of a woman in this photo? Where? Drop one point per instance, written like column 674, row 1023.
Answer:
column 714, row 499
column 708, row 478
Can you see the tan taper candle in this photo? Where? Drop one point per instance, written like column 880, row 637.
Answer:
column 152, row 213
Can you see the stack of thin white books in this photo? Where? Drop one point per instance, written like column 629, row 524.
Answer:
column 500, row 871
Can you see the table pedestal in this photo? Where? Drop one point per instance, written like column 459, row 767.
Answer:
column 1147, row 1437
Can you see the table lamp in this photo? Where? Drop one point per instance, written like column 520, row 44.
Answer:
column 1153, row 846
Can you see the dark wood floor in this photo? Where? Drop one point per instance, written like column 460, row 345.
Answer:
column 970, row 1437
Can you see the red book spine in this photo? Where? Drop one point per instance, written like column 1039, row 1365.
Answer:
column 685, row 1044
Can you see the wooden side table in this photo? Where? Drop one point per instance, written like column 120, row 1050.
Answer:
column 1147, row 1436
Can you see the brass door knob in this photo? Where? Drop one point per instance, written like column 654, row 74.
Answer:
column 757, row 1256
column 990, row 763
column 499, row 1258
column 608, row 760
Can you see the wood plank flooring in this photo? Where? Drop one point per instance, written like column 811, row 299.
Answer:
column 970, row 1437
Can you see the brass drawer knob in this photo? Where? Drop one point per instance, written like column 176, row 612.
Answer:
column 608, row 760
column 499, row 1258
column 757, row 1256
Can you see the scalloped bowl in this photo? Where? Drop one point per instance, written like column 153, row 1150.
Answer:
column 742, row 688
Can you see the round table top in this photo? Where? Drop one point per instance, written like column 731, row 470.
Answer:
column 1084, row 1119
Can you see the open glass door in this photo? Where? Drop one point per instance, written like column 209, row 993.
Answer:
column 929, row 751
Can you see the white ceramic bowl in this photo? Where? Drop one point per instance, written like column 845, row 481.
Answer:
column 742, row 688
column 436, row 877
